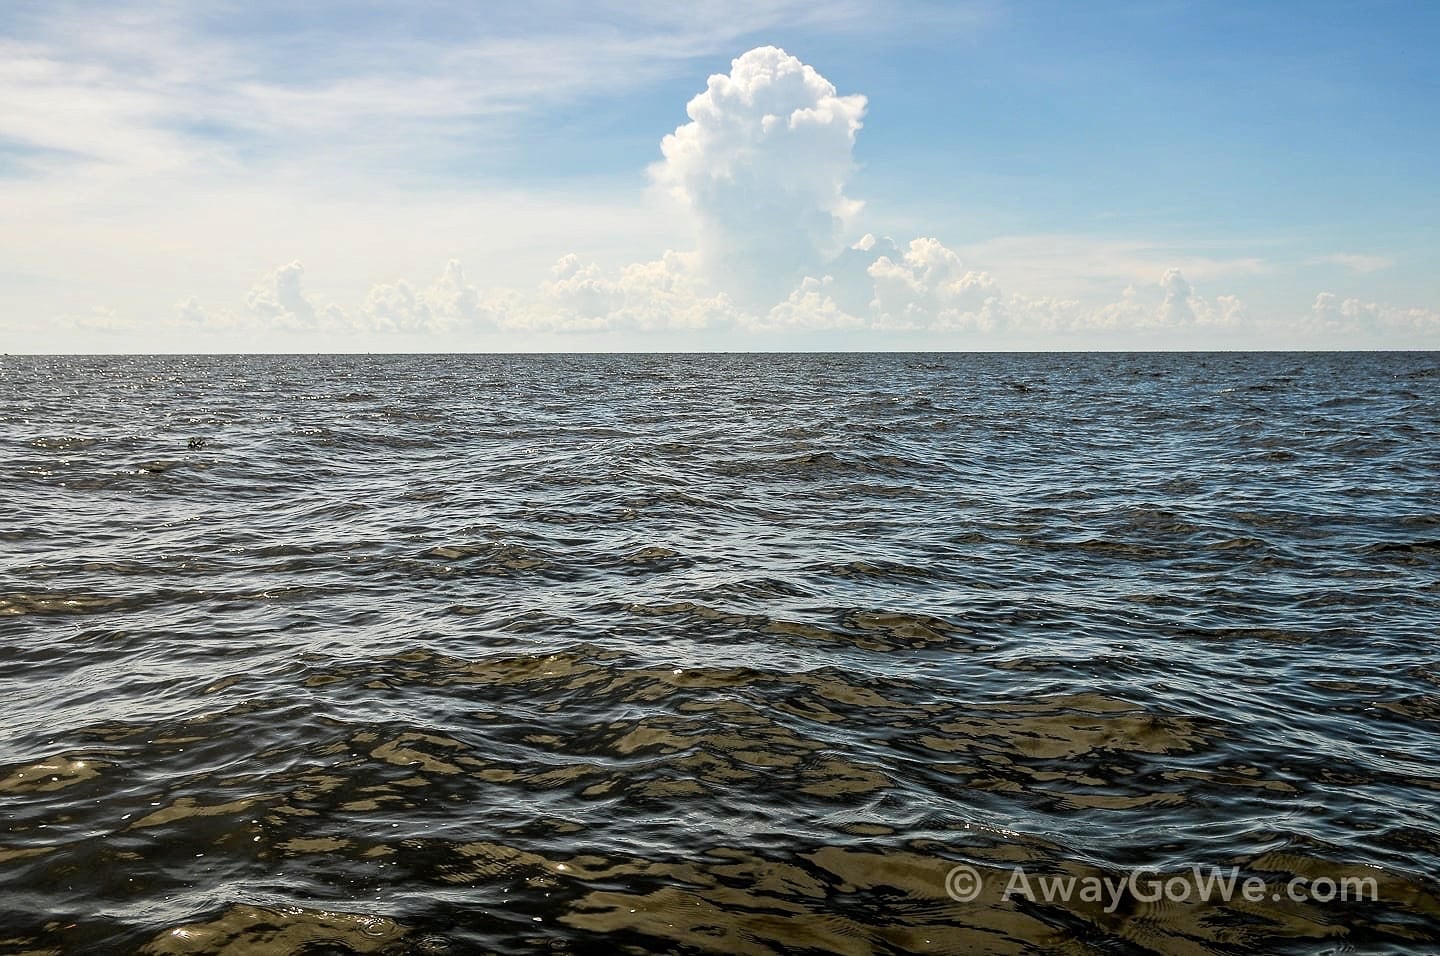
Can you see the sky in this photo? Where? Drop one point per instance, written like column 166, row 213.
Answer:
column 217, row 176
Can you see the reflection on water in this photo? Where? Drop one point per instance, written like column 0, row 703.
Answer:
column 715, row 653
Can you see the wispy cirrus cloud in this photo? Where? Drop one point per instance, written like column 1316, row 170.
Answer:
column 152, row 85
column 1355, row 262
column 1077, row 263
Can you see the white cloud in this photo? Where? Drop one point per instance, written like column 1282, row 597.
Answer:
column 1182, row 307
column 397, row 308
column 811, row 306
column 99, row 319
column 190, row 312
column 453, row 299
column 646, row 296
column 450, row 305
column 924, row 289
column 280, row 300
column 927, row 287
column 763, row 165
column 1176, row 309
column 1352, row 315
column 75, row 111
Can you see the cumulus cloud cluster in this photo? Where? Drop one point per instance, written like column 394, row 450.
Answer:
column 1331, row 313
column 663, row 294
column 450, row 304
column 762, row 169
column 762, row 166
column 281, row 300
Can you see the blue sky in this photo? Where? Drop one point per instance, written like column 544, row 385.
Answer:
column 438, row 176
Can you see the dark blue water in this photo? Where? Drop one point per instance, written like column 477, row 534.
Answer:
column 723, row 653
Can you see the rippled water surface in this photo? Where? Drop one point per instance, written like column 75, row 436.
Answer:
column 452, row 654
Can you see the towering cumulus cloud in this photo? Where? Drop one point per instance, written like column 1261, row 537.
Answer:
column 763, row 164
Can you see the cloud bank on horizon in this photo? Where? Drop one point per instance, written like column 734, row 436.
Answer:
column 759, row 202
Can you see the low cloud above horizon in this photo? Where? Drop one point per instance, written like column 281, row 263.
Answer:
column 760, row 233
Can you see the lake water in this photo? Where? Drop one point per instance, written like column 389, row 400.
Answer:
column 718, row 653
